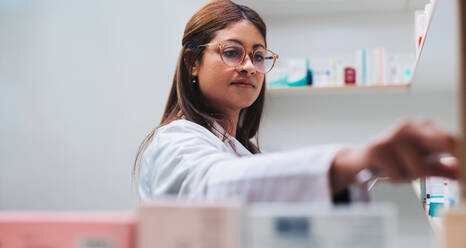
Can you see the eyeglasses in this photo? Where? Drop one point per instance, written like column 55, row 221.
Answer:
column 233, row 54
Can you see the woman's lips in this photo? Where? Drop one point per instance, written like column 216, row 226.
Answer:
column 244, row 84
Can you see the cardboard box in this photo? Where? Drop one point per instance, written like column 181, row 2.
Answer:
column 304, row 225
column 454, row 228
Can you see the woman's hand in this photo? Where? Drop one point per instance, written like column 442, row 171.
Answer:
column 408, row 151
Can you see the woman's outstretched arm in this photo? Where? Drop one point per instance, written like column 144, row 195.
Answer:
column 408, row 151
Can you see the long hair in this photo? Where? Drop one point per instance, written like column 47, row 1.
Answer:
column 185, row 98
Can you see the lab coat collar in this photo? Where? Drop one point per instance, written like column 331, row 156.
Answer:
column 231, row 142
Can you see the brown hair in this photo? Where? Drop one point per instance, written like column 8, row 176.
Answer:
column 185, row 98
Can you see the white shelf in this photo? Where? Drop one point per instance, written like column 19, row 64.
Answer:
column 319, row 7
column 436, row 68
column 342, row 89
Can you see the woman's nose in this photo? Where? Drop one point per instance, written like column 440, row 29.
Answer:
column 247, row 66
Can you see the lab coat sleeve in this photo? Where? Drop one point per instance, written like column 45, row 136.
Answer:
column 288, row 176
column 187, row 161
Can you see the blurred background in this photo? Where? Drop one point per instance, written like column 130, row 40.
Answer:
column 82, row 82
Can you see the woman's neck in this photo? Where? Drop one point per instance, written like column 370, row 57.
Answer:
column 230, row 122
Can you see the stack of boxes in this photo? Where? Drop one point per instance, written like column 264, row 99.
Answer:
column 178, row 224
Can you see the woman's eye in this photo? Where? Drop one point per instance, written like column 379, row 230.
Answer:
column 258, row 57
column 230, row 53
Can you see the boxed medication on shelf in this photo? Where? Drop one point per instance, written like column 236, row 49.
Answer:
column 321, row 71
column 421, row 23
column 438, row 193
column 75, row 230
column 419, row 29
column 277, row 78
column 435, row 195
column 377, row 66
column 297, row 72
column 303, row 225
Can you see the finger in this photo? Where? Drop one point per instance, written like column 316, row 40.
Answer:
column 444, row 167
column 412, row 161
column 387, row 162
column 432, row 138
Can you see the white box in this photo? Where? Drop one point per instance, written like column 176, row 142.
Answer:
column 302, row 225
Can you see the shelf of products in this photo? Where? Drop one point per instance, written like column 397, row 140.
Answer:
column 372, row 68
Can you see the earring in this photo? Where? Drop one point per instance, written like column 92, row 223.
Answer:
column 194, row 80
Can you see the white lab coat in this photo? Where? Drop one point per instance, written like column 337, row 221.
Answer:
column 186, row 160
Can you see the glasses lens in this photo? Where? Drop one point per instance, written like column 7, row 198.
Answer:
column 263, row 60
column 232, row 54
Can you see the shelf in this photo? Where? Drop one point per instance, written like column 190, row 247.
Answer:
column 346, row 87
column 434, row 70
column 437, row 64
column 322, row 7
column 414, row 4
column 389, row 88
column 426, row 33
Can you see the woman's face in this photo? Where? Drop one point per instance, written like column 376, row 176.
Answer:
column 231, row 88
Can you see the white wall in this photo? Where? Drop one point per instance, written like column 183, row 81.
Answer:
column 341, row 34
column 81, row 83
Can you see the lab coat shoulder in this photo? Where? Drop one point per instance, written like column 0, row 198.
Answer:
column 177, row 159
column 187, row 160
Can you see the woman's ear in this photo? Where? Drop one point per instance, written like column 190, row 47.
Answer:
column 195, row 69
column 188, row 62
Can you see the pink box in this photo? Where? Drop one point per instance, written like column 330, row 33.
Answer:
column 177, row 224
column 67, row 230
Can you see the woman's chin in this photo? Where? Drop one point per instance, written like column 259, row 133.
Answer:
column 243, row 101
column 245, row 105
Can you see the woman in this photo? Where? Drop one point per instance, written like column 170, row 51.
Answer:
column 203, row 149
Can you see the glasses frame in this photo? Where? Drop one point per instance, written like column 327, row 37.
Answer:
column 221, row 45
